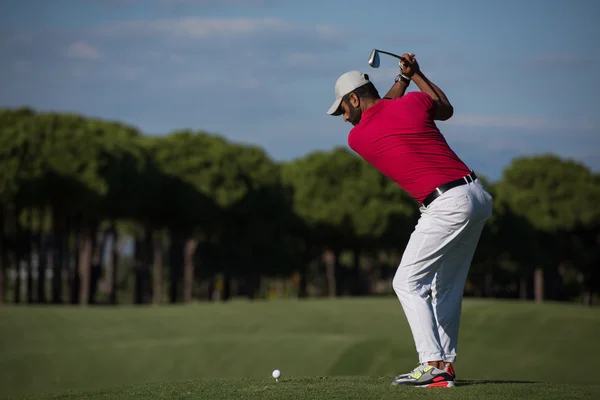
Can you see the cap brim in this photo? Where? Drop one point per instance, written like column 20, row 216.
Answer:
column 335, row 109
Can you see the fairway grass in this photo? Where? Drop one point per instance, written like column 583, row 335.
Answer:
column 218, row 351
column 330, row 388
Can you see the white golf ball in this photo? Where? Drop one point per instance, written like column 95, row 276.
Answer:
column 276, row 374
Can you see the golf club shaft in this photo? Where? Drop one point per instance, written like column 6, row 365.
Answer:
column 390, row 54
column 395, row 55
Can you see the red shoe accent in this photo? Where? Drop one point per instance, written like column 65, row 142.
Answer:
column 438, row 384
column 450, row 370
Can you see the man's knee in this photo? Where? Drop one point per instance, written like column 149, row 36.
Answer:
column 404, row 284
column 399, row 283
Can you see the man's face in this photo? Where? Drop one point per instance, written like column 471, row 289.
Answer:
column 352, row 110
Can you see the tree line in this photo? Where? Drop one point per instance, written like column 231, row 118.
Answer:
column 204, row 212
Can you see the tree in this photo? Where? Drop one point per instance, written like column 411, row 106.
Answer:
column 259, row 229
column 75, row 167
column 15, row 127
column 508, row 247
column 554, row 196
column 203, row 163
column 347, row 204
column 131, row 198
column 77, row 151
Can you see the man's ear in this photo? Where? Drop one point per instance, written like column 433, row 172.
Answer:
column 354, row 100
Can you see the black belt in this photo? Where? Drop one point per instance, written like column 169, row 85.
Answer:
column 447, row 186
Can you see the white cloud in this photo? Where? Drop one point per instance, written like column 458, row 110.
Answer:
column 328, row 32
column 300, row 59
column 84, row 50
column 187, row 53
column 204, row 28
column 193, row 52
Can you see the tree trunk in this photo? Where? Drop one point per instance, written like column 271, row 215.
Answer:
column 226, row 296
column 523, row 292
column 18, row 257
column 253, row 284
column 42, row 259
column 86, row 249
column 2, row 268
column 538, row 285
column 3, row 257
column 66, row 256
column 303, row 286
column 113, row 263
column 143, row 260
column 211, row 289
column 30, row 249
column 370, row 261
column 586, row 297
column 552, row 283
column 97, row 262
column 18, row 283
column 100, row 247
column 176, row 262
column 356, row 288
column 57, row 249
column 157, row 268
column 330, row 260
column 188, row 269
column 148, row 261
column 138, row 268
column 488, row 281
column 104, row 274
column 75, row 227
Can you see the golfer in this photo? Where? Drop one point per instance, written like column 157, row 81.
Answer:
column 398, row 136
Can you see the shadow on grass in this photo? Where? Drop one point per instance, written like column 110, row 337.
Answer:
column 488, row 382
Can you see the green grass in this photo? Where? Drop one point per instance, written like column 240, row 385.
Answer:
column 223, row 351
column 331, row 388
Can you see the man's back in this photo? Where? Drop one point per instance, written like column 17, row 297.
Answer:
column 400, row 138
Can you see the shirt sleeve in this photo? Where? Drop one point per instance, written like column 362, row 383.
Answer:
column 421, row 101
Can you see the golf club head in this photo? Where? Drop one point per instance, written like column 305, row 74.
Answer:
column 374, row 59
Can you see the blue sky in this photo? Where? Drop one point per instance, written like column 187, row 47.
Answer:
column 522, row 75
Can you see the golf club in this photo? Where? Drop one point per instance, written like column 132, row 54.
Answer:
column 374, row 57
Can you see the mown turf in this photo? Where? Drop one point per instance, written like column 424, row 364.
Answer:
column 55, row 349
column 331, row 388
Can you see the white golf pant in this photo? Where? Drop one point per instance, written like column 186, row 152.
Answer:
column 431, row 277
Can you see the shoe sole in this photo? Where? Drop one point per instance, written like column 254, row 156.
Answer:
column 446, row 384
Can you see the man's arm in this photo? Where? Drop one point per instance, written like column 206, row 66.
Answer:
column 444, row 109
column 398, row 89
column 410, row 68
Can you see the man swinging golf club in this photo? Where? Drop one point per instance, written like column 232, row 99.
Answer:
column 398, row 135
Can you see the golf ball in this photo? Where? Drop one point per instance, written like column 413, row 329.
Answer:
column 276, row 374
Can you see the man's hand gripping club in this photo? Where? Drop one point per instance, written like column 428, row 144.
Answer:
column 410, row 71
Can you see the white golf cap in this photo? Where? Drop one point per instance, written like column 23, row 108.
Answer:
column 344, row 85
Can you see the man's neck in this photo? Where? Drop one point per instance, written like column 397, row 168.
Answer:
column 366, row 104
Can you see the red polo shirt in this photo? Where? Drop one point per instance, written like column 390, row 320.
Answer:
column 400, row 138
